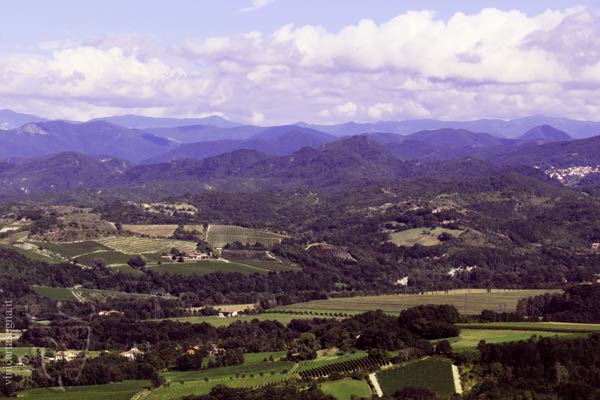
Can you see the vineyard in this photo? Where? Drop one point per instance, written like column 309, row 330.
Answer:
column 135, row 245
column 345, row 367
column 220, row 235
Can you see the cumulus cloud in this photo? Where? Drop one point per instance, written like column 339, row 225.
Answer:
column 488, row 64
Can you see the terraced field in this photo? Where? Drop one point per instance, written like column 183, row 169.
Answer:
column 220, row 235
column 467, row 302
column 136, row 245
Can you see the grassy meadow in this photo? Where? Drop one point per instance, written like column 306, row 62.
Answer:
column 345, row 389
column 422, row 236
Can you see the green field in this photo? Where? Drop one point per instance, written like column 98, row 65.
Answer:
column 53, row 293
column 109, row 257
column 137, row 245
column 220, row 235
column 344, row 389
column 468, row 302
column 33, row 255
column 422, row 236
column 70, row 250
column 567, row 327
column 206, row 267
column 114, row 391
column 432, row 373
column 470, row 338
column 216, row 321
column 246, row 375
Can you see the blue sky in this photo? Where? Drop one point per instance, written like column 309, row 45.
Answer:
column 280, row 61
column 26, row 22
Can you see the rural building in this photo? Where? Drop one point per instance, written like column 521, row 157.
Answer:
column 595, row 246
column 212, row 350
column 132, row 354
column 109, row 313
column 228, row 314
column 198, row 256
column 65, row 355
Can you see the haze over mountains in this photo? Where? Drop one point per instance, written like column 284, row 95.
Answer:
column 47, row 156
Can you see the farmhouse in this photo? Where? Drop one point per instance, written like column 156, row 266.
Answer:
column 198, row 256
column 65, row 355
column 212, row 350
column 132, row 354
column 228, row 314
column 595, row 246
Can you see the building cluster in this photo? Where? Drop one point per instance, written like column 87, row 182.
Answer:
column 564, row 174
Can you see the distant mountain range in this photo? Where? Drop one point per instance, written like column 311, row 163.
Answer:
column 311, row 150
column 350, row 162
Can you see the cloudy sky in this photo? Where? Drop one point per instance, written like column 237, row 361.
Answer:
column 283, row 61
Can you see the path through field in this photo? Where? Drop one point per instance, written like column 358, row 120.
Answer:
column 456, row 377
column 375, row 383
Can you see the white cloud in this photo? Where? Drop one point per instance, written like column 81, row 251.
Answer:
column 256, row 5
column 489, row 64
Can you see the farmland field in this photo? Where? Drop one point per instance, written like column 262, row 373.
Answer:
column 471, row 301
column 422, row 236
column 220, row 235
column 151, row 230
column 114, row 391
column 70, row 250
column 344, row 389
column 216, row 321
column 53, row 293
column 206, row 267
column 135, row 245
column 432, row 373
column 470, row 338
column 33, row 255
column 567, row 327
column 200, row 382
column 109, row 257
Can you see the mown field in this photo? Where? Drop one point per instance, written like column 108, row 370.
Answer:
column 345, row 389
column 137, row 245
column 432, row 373
column 422, row 236
column 220, row 235
column 468, row 302
column 470, row 338
column 114, row 391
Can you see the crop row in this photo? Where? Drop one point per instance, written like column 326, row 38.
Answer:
column 345, row 367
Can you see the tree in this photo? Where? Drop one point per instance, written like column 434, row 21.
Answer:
column 443, row 347
column 137, row 262
column 304, row 347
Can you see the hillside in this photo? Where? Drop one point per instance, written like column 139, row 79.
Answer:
column 96, row 138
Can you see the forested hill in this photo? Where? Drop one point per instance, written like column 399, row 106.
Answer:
column 351, row 162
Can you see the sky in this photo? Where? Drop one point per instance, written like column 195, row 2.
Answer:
column 284, row 61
